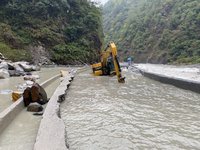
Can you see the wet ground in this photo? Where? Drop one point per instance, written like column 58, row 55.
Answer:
column 10, row 84
column 21, row 133
column 101, row 114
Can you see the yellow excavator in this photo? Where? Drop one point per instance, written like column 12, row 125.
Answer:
column 109, row 64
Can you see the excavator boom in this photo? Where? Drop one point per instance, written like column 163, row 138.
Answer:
column 109, row 64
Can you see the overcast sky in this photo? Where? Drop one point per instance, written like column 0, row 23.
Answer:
column 102, row 1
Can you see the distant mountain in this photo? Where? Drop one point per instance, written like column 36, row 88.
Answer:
column 63, row 31
column 154, row 31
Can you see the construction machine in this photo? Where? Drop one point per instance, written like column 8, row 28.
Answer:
column 109, row 64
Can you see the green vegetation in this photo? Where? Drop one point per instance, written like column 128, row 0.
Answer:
column 70, row 30
column 12, row 53
column 156, row 31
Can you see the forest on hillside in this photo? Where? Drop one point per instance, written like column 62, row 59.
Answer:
column 64, row 31
column 154, row 31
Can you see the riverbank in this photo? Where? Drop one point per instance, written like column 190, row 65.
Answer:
column 17, row 124
column 187, row 72
column 185, row 77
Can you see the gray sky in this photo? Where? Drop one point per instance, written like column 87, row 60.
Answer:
column 102, row 1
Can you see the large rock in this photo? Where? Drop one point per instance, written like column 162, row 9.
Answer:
column 25, row 66
column 17, row 67
column 14, row 73
column 11, row 66
column 31, row 77
column 18, row 70
column 33, row 94
column 4, row 74
column 34, row 107
column 35, row 68
column 4, row 65
column 38, row 94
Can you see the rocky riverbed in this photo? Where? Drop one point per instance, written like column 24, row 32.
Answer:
column 9, row 68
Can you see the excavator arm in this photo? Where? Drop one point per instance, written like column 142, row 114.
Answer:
column 109, row 64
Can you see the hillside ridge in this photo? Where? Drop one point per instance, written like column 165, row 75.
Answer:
column 156, row 31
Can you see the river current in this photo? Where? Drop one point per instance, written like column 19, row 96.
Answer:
column 101, row 114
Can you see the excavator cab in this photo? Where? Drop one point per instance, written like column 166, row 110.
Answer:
column 109, row 64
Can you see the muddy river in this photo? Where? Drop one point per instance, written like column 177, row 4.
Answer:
column 101, row 114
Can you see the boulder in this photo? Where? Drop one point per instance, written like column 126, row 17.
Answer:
column 11, row 66
column 4, row 74
column 4, row 65
column 13, row 73
column 25, row 66
column 29, row 83
column 16, row 73
column 18, row 70
column 27, row 96
column 17, row 67
column 33, row 94
column 31, row 77
column 34, row 107
column 38, row 94
column 35, row 68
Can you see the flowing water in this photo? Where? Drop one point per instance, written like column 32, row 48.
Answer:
column 101, row 114
column 22, row 132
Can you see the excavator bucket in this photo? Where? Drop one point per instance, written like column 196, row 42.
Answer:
column 121, row 80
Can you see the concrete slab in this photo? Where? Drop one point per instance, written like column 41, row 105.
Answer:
column 51, row 134
column 10, row 113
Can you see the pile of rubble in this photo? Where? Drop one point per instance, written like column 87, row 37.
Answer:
column 8, row 68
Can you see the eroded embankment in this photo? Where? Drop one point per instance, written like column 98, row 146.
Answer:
column 10, row 113
column 51, row 134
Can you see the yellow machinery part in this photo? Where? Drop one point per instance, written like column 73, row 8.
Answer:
column 104, row 67
column 16, row 95
column 98, row 73
column 97, row 69
column 97, row 65
column 64, row 73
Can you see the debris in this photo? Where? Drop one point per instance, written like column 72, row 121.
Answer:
column 34, row 107
column 31, row 77
column 16, row 95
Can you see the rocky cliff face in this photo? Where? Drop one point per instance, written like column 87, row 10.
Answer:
column 62, row 31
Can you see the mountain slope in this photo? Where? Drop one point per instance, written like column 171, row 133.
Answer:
column 156, row 31
column 64, row 31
